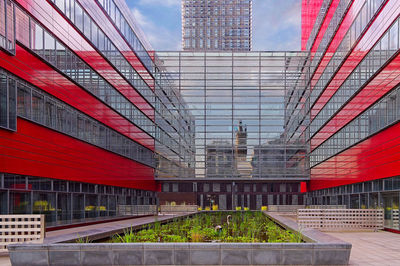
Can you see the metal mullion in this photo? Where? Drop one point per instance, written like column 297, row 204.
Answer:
column 15, row 37
column 232, row 120
column 7, row 102
column 259, row 116
column 5, row 24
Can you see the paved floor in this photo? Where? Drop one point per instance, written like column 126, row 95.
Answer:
column 5, row 260
column 372, row 248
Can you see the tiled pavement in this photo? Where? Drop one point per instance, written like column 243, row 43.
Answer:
column 372, row 248
column 4, row 260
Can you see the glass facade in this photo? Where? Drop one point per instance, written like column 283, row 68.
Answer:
column 37, row 106
column 353, row 104
column 216, row 25
column 228, row 195
column 240, row 106
column 236, row 128
column 63, row 72
column 66, row 202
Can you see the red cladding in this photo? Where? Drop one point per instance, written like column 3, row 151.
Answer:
column 374, row 158
column 52, row 20
column 309, row 13
column 38, row 151
column 47, row 79
column 303, row 187
column 388, row 78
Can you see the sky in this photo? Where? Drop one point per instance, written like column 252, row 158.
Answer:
column 276, row 23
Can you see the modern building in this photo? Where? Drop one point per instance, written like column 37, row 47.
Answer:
column 86, row 114
column 216, row 25
column 354, row 104
column 240, row 102
column 92, row 118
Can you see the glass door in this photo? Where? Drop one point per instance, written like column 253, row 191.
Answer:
column 391, row 210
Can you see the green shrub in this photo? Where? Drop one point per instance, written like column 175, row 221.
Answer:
column 206, row 227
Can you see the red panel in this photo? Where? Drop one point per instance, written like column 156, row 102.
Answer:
column 38, row 151
column 303, row 187
column 309, row 13
column 46, row 14
column 112, row 32
column 324, row 26
column 386, row 17
column 374, row 158
column 388, row 78
column 46, row 78
column 343, row 28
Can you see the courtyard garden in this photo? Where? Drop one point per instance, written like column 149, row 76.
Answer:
column 239, row 227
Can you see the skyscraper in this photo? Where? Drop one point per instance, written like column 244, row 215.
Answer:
column 216, row 25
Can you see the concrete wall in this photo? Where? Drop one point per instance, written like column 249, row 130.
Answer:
column 181, row 254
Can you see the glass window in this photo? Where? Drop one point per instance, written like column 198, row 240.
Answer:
column 394, row 36
column 78, row 17
column 37, row 107
column 37, row 38
column 24, row 101
column 45, row 203
column 8, row 103
column 19, row 202
column 3, row 101
column 14, row 181
column 60, row 185
column 86, row 25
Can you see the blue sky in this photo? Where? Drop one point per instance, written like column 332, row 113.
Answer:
column 276, row 23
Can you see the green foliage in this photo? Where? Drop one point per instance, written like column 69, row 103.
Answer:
column 244, row 226
column 82, row 240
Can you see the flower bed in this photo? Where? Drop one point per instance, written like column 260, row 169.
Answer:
column 321, row 249
column 239, row 227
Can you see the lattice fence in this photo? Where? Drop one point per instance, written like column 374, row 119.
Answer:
column 21, row 228
column 341, row 219
column 136, row 210
column 395, row 218
column 178, row 208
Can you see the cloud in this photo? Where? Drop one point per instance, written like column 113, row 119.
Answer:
column 276, row 26
column 161, row 38
column 168, row 3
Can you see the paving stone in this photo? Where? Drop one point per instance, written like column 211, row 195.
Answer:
column 205, row 257
column 236, row 256
column 159, row 257
column 60, row 257
column 33, row 258
column 297, row 256
column 182, row 257
column 128, row 257
column 266, row 256
column 331, row 257
column 96, row 257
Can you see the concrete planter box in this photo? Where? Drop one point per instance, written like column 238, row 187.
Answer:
column 325, row 250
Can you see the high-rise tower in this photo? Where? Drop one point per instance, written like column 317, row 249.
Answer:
column 216, row 25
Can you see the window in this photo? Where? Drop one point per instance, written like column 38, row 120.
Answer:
column 8, row 103
column 7, row 26
column 24, row 101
